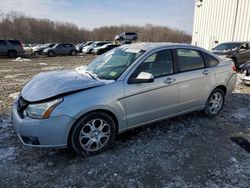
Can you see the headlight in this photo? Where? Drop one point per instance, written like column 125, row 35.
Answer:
column 42, row 110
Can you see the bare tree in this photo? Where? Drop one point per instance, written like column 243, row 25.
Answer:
column 16, row 25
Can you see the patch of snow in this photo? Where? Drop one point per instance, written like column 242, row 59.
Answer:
column 14, row 95
column 9, row 76
column 241, row 114
column 43, row 64
column 5, row 123
column 52, row 68
column 6, row 152
column 19, row 59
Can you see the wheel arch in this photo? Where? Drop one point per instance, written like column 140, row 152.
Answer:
column 108, row 112
column 222, row 87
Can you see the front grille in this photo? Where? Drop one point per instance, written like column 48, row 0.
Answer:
column 22, row 104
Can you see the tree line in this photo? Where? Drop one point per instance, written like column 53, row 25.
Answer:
column 16, row 25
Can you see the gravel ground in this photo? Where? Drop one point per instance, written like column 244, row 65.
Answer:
column 188, row 151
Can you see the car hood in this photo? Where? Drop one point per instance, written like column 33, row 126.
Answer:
column 38, row 48
column 50, row 84
column 48, row 48
column 88, row 47
column 227, row 53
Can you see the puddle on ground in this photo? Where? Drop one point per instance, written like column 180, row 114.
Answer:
column 242, row 139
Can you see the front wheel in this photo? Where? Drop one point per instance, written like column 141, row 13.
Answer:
column 93, row 133
column 12, row 54
column 215, row 103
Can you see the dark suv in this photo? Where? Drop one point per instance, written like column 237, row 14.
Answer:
column 239, row 52
column 11, row 48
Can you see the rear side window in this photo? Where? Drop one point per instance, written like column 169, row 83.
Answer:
column 2, row 43
column 15, row 42
column 189, row 60
column 211, row 61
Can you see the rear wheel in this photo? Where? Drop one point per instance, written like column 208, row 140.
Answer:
column 51, row 53
column 215, row 103
column 12, row 54
column 93, row 133
column 90, row 51
column 73, row 53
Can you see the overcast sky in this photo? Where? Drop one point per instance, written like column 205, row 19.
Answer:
column 95, row 13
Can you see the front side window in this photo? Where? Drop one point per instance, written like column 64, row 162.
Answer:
column 111, row 65
column 60, row 46
column 158, row 64
column 189, row 60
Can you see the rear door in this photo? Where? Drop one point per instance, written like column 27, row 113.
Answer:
column 196, row 78
column 151, row 101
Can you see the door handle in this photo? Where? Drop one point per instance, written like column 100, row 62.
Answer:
column 169, row 80
column 206, row 72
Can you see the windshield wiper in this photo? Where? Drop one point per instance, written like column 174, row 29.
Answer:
column 90, row 74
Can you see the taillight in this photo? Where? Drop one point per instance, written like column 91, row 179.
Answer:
column 234, row 68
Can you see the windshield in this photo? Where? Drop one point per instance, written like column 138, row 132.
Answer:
column 227, row 47
column 111, row 65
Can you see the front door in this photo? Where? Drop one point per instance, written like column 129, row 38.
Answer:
column 146, row 102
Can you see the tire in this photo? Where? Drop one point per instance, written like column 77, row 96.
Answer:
column 73, row 53
column 121, row 39
column 12, row 54
column 93, row 139
column 90, row 51
column 135, row 38
column 36, row 54
column 51, row 53
column 215, row 103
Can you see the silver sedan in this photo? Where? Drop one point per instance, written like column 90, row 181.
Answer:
column 125, row 88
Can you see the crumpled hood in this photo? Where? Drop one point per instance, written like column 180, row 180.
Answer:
column 49, row 84
column 224, row 53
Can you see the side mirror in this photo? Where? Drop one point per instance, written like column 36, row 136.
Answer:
column 143, row 77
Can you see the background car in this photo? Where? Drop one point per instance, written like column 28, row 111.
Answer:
column 102, row 49
column 60, row 49
column 11, row 48
column 89, row 49
column 127, row 36
column 239, row 52
column 80, row 46
column 38, row 50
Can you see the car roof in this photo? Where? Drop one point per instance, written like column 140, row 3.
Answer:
column 153, row 45
column 233, row 42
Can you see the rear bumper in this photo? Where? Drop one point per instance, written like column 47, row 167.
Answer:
column 52, row 132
